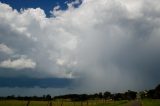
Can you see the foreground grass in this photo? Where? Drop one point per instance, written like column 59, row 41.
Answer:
column 22, row 103
column 151, row 102
column 114, row 103
column 145, row 102
column 62, row 103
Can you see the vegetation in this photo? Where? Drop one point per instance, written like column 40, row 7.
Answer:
column 151, row 102
column 145, row 102
column 59, row 103
column 152, row 94
column 149, row 98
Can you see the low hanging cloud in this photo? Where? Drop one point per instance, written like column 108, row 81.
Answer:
column 21, row 63
column 104, row 44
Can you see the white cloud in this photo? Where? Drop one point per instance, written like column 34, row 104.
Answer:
column 109, row 42
column 60, row 62
column 20, row 63
column 4, row 48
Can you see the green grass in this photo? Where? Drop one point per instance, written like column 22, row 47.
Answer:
column 12, row 103
column 64, row 103
column 114, row 103
column 145, row 102
column 151, row 102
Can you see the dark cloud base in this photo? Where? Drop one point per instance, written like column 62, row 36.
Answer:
column 33, row 82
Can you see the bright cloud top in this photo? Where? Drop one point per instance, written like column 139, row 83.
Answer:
column 107, row 42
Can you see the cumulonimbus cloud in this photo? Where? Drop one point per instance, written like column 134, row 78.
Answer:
column 107, row 42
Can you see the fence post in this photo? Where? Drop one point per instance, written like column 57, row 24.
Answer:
column 28, row 103
column 62, row 103
column 81, row 103
column 74, row 103
column 50, row 104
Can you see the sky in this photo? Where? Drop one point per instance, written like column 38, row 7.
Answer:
column 47, row 6
column 78, row 46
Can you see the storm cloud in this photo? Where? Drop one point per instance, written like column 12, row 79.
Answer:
column 32, row 82
column 102, row 45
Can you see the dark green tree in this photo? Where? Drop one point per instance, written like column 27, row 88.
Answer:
column 107, row 95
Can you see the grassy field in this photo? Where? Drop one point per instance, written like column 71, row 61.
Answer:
column 60, row 103
column 146, row 102
column 150, row 102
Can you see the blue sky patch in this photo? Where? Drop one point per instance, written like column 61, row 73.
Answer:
column 47, row 6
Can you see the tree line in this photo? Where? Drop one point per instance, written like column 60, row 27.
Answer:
column 153, row 93
column 129, row 95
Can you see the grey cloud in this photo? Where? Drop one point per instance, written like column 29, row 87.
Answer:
column 104, row 44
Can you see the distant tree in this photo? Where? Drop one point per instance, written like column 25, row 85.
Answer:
column 100, row 95
column 107, row 95
column 44, row 97
column 84, row 97
column 11, row 97
column 150, row 94
column 157, row 92
column 118, row 96
column 143, row 94
column 95, row 95
column 48, row 97
column 130, row 95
